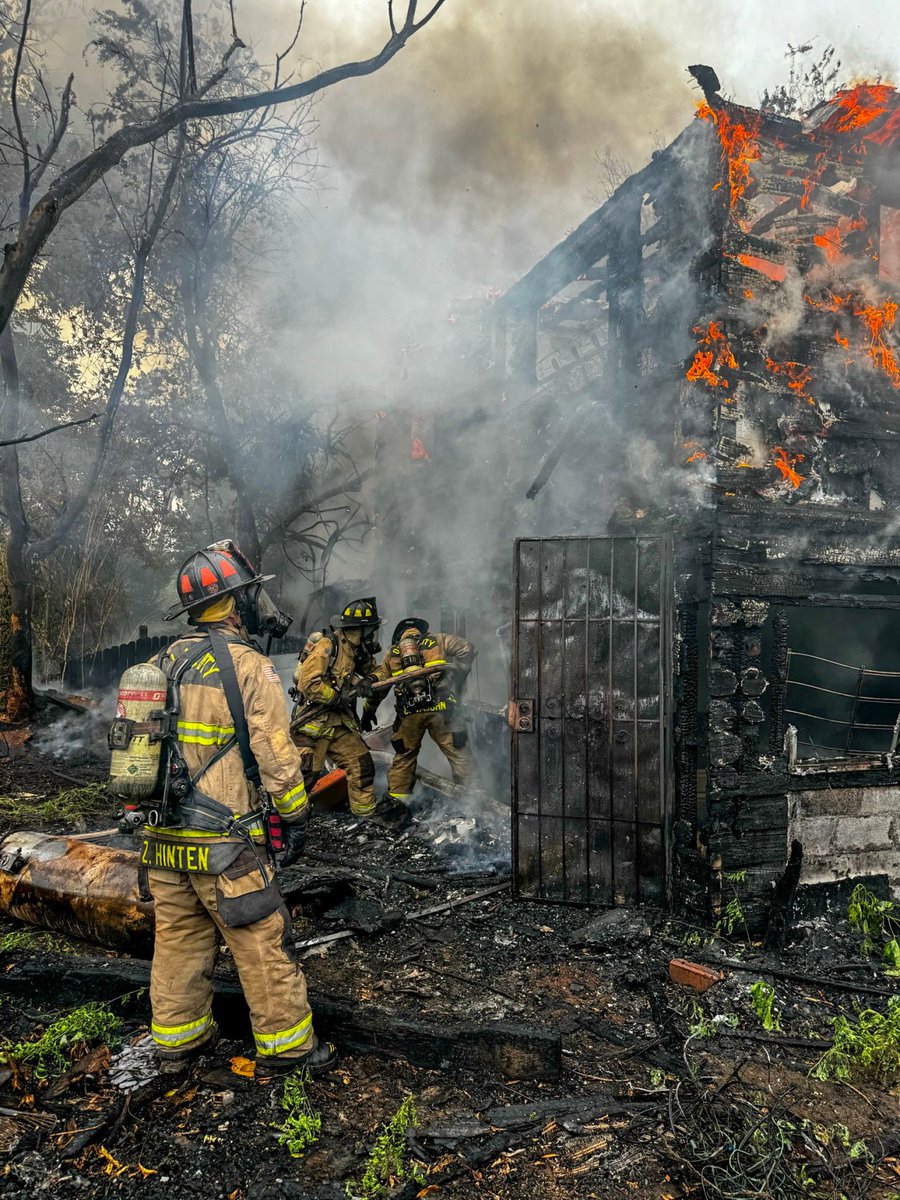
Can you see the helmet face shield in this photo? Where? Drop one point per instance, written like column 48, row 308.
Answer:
column 259, row 613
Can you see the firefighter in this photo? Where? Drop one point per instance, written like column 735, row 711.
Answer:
column 206, row 861
column 331, row 674
column 424, row 705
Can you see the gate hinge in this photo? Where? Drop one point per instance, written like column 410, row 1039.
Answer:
column 521, row 716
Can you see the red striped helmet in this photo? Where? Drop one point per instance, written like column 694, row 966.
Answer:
column 211, row 573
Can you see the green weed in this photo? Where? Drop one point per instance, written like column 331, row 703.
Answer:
column 878, row 922
column 33, row 939
column 86, row 803
column 302, row 1125
column 867, row 1048
column 90, row 1025
column 387, row 1162
column 702, row 1026
column 733, row 913
column 762, row 997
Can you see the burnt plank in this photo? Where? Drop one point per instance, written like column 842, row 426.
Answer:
column 496, row 1049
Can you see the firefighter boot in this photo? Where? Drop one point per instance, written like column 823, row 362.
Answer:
column 317, row 1061
column 175, row 1062
column 389, row 813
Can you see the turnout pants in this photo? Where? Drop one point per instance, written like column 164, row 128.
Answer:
column 407, row 739
column 347, row 750
column 190, row 910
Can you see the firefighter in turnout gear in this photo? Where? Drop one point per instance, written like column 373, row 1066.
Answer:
column 329, row 677
column 204, row 849
column 424, row 705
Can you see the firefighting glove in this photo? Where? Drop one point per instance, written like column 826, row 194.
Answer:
column 293, row 835
column 364, row 686
column 367, row 720
column 346, row 694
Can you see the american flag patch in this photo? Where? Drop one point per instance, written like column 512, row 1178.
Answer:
column 270, row 673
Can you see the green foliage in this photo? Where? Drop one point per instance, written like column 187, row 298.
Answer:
column 90, row 1025
column 387, row 1163
column 702, row 1026
column 866, row 1049
column 302, row 1125
column 33, row 939
column 732, row 914
column 762, row 997
column 878, row 922
column 85, row 803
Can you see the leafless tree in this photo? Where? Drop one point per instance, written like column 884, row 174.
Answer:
column 199, row 101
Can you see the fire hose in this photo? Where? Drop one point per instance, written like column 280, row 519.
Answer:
column 376, row 689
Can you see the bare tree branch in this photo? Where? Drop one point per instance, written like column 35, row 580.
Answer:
column 34, row 437
column 236, row 41
column 72, row 184
column 14, row 100
column 279, row 58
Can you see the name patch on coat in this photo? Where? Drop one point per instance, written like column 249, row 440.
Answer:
column 167, row 856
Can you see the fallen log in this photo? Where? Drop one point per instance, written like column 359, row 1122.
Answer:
column 588, row 1108
column 75, row 888
column 494, row 1049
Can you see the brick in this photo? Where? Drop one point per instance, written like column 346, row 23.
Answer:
column 692, row 975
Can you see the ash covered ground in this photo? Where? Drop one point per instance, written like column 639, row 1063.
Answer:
column 661, row 1091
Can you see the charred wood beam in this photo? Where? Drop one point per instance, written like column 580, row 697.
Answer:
column 779, row 681
column 496, row 1049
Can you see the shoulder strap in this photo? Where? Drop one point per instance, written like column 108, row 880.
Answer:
column 235, row 702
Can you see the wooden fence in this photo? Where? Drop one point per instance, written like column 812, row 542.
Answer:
column 102, row 670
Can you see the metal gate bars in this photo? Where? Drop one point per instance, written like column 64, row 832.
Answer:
column 591, row 712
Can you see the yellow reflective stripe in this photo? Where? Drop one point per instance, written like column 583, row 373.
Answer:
column 195, row 734
column 180, row 1035
column 328, row 692
column 165, row 832
column 291, row 801
column 198, row 725
column 317, row 731
column 284, row 1039
column 432, row 662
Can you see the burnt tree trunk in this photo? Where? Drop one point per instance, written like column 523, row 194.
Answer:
column 18, row 699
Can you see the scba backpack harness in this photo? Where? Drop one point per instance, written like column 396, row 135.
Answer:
column 183, row 805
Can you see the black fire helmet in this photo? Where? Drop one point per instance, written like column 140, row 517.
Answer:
column 209, row 574
column 408, row 623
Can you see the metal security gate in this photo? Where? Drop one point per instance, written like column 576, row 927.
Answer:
column 590, row 718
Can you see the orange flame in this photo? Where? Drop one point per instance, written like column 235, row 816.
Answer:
column 878, row 319
column 707, row 362
column 418, row 451
column 841, row 340
column 859, row 106
column 797, row 374
column 698, row 452
column 739, row 146
column 772, row 270
column 832, row 240
column 786, row 466
column 812, row 180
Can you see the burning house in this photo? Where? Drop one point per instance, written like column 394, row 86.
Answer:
column 707, row 696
